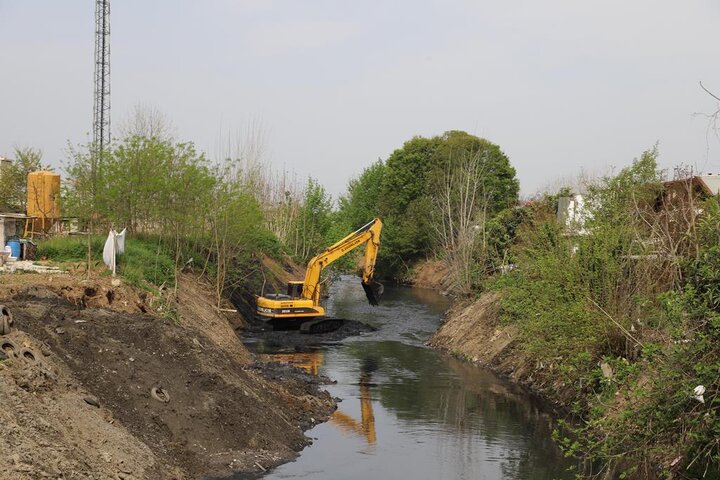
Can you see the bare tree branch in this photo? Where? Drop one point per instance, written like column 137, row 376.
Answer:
column 709, row 92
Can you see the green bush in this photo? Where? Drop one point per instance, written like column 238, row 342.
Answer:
column 147, row 262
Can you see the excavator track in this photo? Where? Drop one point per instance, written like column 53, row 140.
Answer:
column 321, row 325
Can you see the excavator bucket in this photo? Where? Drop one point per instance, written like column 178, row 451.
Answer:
column 373, row 291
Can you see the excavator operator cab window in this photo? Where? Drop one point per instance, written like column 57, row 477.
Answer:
column 295, row 289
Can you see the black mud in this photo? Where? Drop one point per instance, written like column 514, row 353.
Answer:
column 260, row 338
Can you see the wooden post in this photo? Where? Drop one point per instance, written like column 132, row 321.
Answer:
column 114, row 252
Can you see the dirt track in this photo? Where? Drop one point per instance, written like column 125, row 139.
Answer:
column 224, row 414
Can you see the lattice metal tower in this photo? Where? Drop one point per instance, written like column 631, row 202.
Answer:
column 101, row 106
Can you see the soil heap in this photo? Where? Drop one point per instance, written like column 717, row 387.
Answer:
column 109, row 390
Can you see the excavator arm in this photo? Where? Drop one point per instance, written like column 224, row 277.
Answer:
column 368, row 235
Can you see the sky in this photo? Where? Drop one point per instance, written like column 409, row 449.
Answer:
column 560, row 85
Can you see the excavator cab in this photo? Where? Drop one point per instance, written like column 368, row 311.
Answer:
column 295, row 289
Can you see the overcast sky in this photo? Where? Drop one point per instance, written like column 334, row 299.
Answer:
column 559, row 85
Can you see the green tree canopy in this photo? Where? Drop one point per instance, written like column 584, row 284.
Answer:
column 402, row 191
column 313, row 222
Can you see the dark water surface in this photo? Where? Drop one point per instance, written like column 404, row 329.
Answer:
column 408, row 411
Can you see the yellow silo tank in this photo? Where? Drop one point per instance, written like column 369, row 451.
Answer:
column 43, row 196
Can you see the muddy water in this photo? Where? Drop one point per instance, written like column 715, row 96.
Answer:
column 409, row 412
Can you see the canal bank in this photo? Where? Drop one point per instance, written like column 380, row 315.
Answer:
column 406, row 410
column 107, row 387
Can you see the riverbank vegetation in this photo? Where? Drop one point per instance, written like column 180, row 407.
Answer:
column 616, row 318
column 445, row 197
column 220, row 218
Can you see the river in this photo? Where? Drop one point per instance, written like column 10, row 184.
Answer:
column 408, row 411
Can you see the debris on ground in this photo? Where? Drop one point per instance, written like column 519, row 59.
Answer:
column 30, row 267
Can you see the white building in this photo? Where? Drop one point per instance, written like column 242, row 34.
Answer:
column 572, row 212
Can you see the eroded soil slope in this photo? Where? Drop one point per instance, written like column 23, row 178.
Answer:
column 225, row 413
column 433, row 274
column 472, row 331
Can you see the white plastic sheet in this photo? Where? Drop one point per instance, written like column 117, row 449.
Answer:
column 120, row 242
column 114, row 245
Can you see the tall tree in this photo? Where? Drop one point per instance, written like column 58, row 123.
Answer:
column 416, row 176
column 313, row 221
column 360, row 204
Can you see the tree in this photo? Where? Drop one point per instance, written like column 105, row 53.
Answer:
column 13, row 178
column 416, row 176
column 136, row 177
column 147, row 121
column 313, row 221
column 360, row 204
column 460, row 216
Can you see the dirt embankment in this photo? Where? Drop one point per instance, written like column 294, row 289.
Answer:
column 118, row 393
column 472, row 331
column 433, row 274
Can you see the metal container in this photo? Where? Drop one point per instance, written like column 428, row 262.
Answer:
column 43, row 197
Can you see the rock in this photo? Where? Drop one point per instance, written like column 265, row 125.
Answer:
column 91, row 400
column 606, row 370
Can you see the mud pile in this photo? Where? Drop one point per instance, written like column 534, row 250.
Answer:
column 124, row 394
column 49, row 430
column 263, row 339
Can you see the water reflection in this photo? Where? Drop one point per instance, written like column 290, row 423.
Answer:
column 366, row 426
column 311, row 362
column 308, row 361
column 409, row 412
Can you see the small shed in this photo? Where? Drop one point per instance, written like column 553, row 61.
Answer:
column 685, row 191
column 8, row 226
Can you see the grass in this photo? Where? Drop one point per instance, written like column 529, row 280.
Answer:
column 146, row 263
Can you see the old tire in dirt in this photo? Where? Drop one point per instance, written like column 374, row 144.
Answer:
column 160, row 395
column 29, row 355
column 9, row 347
column 6, row 320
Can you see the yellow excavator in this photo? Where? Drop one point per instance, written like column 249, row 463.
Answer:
column 300, row 306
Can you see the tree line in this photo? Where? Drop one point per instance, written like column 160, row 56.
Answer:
column 444, row 197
